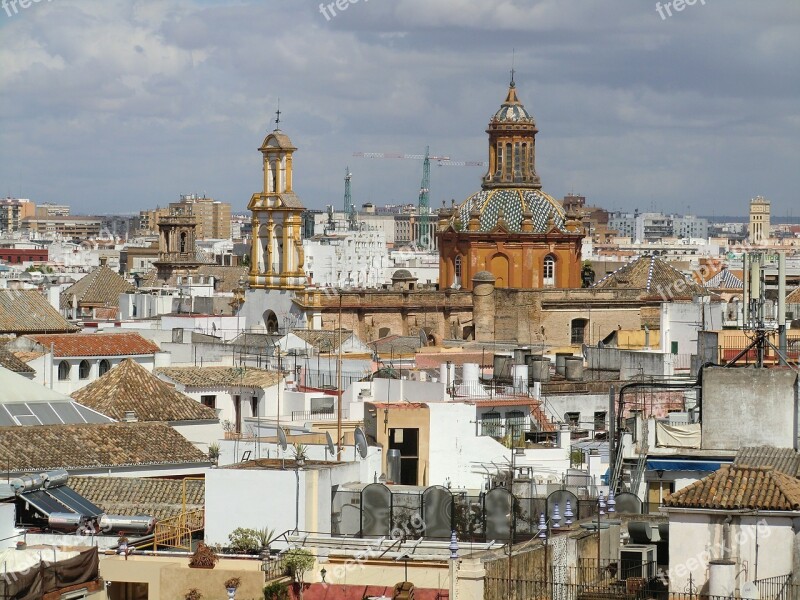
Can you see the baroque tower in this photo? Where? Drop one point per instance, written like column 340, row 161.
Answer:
column 276, row 261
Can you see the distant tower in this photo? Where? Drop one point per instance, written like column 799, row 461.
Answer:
column 759, row 231
column 349, row 209
column 277, row 251
column 176, row 243
column 424, row 232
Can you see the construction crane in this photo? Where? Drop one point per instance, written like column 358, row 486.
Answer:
column 423, row 209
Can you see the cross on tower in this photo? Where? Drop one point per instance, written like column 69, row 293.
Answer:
column 278, row 118
column 513, row 56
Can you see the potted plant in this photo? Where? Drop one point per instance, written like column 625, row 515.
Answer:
column 193, row 594
column 213, row 452
column 265, row 537
column 300, row 452
column 203, row 557
column 122, row 545
column 231, row 585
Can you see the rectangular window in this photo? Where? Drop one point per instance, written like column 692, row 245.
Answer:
column 209, row 401
column 573, row 418
column 254, row 406
column 600, row 420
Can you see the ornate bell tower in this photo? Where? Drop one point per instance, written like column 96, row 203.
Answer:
column 276, row 262
column 176, row 239
column 512, row 146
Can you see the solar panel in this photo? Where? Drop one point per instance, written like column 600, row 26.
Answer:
column 74, row 501
column 44, row 503
column 18, row 408
column 67, row 412
column 46, row 414
column 5, row 418
column 28, row 420
column 91, row 416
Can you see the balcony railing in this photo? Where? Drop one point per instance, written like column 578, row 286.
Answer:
column 317, row 415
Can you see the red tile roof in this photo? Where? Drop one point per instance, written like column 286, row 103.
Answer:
column 96, row 344
column 738, row 487
column 131, row 387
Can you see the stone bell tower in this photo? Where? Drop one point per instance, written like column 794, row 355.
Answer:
column 276, row 262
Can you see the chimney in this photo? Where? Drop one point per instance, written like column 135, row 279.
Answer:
column 130, row 417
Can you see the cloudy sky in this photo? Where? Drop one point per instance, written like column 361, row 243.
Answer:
column 115, row 106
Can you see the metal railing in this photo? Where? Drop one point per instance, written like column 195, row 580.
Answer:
column 177, row 531
column 317, row 415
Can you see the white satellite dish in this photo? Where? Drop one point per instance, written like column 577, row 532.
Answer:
column 361, row 442
column 282, row 439
column 749, row 591
column 329, row 443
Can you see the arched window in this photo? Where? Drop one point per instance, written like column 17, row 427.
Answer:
column 63, row 371
column 183, row 242
column 104, row 367
column 84, row 369
column 549, row 271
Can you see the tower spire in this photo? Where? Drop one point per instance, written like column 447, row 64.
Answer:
column 513, row 56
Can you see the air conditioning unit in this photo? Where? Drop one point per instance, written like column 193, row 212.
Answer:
column 637, row 560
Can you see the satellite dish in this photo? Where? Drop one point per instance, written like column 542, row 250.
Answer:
column 361, row 442
column 329, row 443
column 282, row 439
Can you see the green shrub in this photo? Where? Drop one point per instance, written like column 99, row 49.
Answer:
column 276, row 591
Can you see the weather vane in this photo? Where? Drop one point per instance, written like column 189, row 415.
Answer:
column 278, row 115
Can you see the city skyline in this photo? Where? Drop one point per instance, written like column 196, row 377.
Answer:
column 121, row 107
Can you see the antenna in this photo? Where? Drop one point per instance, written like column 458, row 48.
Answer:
column 329, row 444
column 361, row 442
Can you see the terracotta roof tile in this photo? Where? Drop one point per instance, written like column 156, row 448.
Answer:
column 784, row 460
column 131, row 387
column 221, row 376
column 91, row 446
column 226, row 279
column 10, row 361
column 96, row 344
column 793, row 297
column 323, row 340
column 27, row 311
column 130, row 496
column 653, row 275
column 739, row 487
column 101, row 287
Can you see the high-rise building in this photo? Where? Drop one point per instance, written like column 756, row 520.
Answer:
column 48, row 209
column 213, row 217
column 12, row 211
column 759, row 231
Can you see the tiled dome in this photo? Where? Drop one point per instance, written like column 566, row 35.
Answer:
column 514, row 202
column 512, row 110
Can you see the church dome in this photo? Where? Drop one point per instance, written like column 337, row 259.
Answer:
column 514, row 205
column 512, row 110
